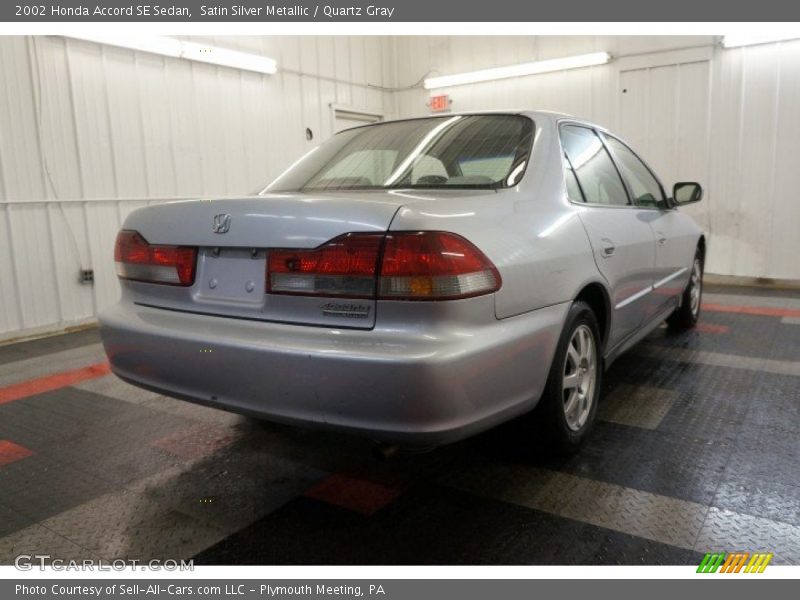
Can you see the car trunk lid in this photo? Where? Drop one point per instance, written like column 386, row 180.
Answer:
column 234, row 237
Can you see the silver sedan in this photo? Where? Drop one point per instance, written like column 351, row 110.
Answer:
column 414, row 281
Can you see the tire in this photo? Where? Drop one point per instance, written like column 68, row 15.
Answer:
column 578, row 354
column 688, row 313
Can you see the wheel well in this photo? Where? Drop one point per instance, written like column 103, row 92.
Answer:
column 701, row 244
column 595, row 296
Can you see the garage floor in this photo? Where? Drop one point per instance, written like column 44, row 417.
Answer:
column 697, row 449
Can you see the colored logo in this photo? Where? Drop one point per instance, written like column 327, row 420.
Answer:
column 736, row 562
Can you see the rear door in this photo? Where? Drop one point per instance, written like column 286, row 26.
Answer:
column 619, row 232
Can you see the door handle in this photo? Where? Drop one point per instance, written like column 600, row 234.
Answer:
column 662, row 241
column 608, row 247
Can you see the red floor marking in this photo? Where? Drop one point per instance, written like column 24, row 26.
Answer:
column 52, row 382
column 11, row 452
column 359, row 495
column 763, row 311
column 712, row 328
column 196, row 441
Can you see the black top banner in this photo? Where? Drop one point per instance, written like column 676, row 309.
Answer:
column 399, row 11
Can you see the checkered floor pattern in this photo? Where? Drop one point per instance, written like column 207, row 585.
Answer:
column 697, row 449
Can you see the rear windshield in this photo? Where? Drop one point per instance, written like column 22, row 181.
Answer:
column 462, row 151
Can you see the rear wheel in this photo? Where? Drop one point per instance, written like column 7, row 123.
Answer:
column 688, row 313
column 568, row 406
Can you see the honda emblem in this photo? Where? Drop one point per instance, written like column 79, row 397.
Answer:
column 222, row 223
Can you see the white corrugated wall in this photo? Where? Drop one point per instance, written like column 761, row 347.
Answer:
column 118, row 129
column 89, row 133
column 729, row 118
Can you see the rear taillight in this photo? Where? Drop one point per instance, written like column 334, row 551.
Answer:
column 345, row 266
column 434, row 265
column 425, row 265
column 140, row 261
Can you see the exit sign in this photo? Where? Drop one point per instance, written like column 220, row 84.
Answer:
column 440, row 103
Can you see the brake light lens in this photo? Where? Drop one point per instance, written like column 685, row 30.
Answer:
column 434, row 265
column 344, row 267
column 138, row 260
column 425, row 265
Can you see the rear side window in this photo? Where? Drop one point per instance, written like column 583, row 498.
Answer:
column 573, row 189
column 644, row 186
column 598, row 177
column 363, row 168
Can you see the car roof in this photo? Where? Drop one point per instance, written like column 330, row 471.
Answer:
column 534, row 114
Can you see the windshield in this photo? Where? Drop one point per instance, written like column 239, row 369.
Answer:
column 469, row 151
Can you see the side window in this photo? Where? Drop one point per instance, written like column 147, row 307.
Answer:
column 573, row 189
column 644, row 186
column 596, row 173
column 428, row 169
column 361, row 168
column 491, row 167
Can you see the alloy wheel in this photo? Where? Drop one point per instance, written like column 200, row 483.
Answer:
column 695, row 287
column 580, row 377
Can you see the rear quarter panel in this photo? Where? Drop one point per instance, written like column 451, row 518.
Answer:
column 530, row 232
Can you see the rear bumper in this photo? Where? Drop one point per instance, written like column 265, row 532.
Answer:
column 433, row 382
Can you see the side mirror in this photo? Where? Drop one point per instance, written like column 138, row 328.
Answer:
column 686, row 192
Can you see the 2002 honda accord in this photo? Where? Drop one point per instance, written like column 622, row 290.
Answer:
column 415, row 281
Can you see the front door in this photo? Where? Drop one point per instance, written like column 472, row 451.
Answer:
column 674, row 241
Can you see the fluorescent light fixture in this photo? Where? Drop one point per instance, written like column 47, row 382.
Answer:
column 164, row 46
column 745, row 39
column 175, row 48
column 531, row 68
column 228, row 58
